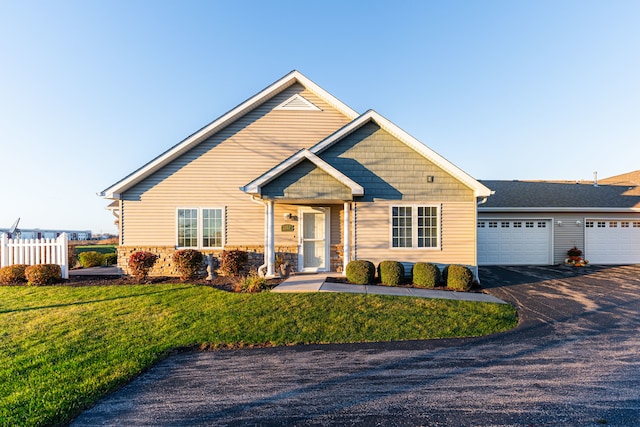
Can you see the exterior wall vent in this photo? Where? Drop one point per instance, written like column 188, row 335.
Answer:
column 297, row 102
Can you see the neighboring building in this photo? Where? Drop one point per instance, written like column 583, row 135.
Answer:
column 37, row 233
column 294, row 172
column 536, row 222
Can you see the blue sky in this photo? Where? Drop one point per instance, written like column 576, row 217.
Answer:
column 92, row 90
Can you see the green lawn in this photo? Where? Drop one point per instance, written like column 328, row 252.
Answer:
column 103, row 249
column 62, row 348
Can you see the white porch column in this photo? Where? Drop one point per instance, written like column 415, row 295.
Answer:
column 347, row 237
column 270, row 251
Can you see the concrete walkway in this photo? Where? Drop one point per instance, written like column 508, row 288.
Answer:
column 318, row 283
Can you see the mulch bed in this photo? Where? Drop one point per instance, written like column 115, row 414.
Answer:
column 475, row 287
column 223, row 283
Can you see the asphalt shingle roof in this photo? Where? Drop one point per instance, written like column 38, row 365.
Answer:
column 544, row 194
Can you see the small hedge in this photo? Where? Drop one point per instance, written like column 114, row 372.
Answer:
column 391, row 272
column 90, row 259
column 109, row 259
column 361, row 272
column 188, row 262
column 459, row 278
column 140, row 263
column 13, row 274
column 426, row 275
column 43, row 274
column 233, row 262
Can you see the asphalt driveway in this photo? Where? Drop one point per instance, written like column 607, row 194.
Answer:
column 574, row 360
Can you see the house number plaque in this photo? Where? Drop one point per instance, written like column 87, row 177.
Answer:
column 287, row 227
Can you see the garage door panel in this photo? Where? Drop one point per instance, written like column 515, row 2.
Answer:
column 514, row 242
column 612, row 241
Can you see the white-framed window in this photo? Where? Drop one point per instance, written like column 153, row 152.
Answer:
column 200, row 227
column 415, row 226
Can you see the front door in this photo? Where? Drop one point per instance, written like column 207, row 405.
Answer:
column 313, row 252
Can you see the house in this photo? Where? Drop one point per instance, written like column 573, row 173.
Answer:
column 294, row 174
column 537, row 222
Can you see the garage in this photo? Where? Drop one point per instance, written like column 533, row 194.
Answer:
column 514, row 242
column 610, row 241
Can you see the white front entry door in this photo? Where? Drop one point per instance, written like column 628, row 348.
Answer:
column 313, row 252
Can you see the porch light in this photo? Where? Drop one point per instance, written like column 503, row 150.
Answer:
column 559, row 223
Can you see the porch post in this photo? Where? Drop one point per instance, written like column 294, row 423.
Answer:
column 270, row 253
column 346, row 257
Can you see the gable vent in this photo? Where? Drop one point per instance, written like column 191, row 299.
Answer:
column 297, row 102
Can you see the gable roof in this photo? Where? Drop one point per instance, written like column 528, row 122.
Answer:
column 114, row 191
column 371, row 116
column 541, row 196
column 254, row 187
column 630, row 178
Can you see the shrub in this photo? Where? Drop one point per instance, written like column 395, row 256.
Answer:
column 43, row 274
column 361, row 272
column 252, row 283
column 90, row 259
column 188, row 262
column 109, row 259
column 426, row 275
column 232, row 262
column 459, row 278
column 140, row 263
column 391, row 272
column 12, row 274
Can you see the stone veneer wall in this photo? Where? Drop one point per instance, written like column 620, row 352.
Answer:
column 164, row 265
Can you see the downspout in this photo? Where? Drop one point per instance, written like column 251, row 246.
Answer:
column 263, row 267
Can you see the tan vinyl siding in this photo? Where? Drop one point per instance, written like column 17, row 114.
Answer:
column 458, row 234
column 210, row 174
column 390, row 170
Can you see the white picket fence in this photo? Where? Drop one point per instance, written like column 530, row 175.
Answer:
column 35, row 251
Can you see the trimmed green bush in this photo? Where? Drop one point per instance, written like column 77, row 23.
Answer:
column 90, row 259
column 13, row 274
column 43, row 274
column 140, row 263
column 233, row 262
column 459, row 278
column 188, row 262
column 109, row 259
column 391, row 272
column 426, row 275
column 361, row 272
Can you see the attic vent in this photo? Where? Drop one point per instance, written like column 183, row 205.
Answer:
column 297, row 102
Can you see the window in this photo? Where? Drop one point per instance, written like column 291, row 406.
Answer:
column 200, row 228
column 636, row 224
column 493, row 224
column 504, row 224
column 542, row 224
column 415, row 227
column 624, row 224
column 600, row 224
column 517, row 224
column 528, row 224
column 613, row 224
column 589, row 224
column 480, row 224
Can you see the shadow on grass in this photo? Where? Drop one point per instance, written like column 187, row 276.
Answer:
column 16, row 310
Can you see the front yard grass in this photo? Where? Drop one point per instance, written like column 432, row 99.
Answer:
column 62, row 348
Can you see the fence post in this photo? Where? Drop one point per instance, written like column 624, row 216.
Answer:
column 63, row 244
column 4, row 250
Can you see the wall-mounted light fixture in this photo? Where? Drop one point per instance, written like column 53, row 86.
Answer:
column 430, row 178
column 578, row 223
column 287, row 216
column 559, row 223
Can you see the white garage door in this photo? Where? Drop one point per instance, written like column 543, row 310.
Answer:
column 612, row 241
column 514, row 242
